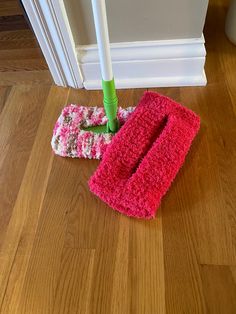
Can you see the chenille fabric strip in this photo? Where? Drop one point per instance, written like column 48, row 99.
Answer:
column 144, row 157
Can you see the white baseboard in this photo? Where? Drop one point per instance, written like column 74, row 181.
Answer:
column 174, row 81
column 136, row 64
column 148, row 64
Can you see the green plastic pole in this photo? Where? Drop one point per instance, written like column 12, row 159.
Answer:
column 110, row 102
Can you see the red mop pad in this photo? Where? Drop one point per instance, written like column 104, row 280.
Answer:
column 144, row 156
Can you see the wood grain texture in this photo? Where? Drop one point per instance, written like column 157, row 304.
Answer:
column 120, row 297
column 19, row 121
column 22, row 65
column 4, row 92
column 21, row 60
column 16, row 34
column 25, row 77
column 21, row 54
column 18, row 43
column 13, row 22
column 10, row 7
column 146, row 267
column 20, row 235
column 218, row 298
column 62, row 250
column 68, row 299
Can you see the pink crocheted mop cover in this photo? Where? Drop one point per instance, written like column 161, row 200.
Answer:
column 144, row 157
column 69, row 140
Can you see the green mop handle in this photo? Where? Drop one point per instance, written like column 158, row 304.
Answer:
column 110, row 99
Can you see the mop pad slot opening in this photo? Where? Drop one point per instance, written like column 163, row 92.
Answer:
column 155, row 157
column 157, row 132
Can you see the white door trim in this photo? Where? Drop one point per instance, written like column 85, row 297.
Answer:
column 178, row 62
column 51, row 26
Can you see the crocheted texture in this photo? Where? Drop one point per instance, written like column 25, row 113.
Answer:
column 69, row 140
column 144, row 156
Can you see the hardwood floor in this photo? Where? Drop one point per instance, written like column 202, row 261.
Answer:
column 21, row 60
column 63, row 251
column 10, row 8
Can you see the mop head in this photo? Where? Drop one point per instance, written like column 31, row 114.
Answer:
column 69, row 140
column 144, row 157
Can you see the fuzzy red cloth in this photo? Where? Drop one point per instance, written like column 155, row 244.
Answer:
column 144, row 157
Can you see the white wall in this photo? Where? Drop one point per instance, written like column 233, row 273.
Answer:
column 139, row 20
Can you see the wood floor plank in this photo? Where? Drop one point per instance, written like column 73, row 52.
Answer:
column 19, row 44
column 130, row 97
column 21, row 54
column 23, row 78
column 12, row 113
column 74, row 287
column 146, row 288
column 13, row 22
column 219, row 289
column 221, row 49
column 10, row 7
column 21, row 118
column 233, row 271
column 105, row 226
column 120, row 289
column 16, row 35
column 19, row 238
column 105, row 258
column 223, row 60
column 4, row 92
column 183, row 285
column 215, row 176
column 83, row 211
column 23, row 65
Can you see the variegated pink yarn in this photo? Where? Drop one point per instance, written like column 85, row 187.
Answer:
column 69, row 140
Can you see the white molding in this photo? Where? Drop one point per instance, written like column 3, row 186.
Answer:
column 161, row 63
column 174, row 81
column 50, row 23
column 136, row 64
